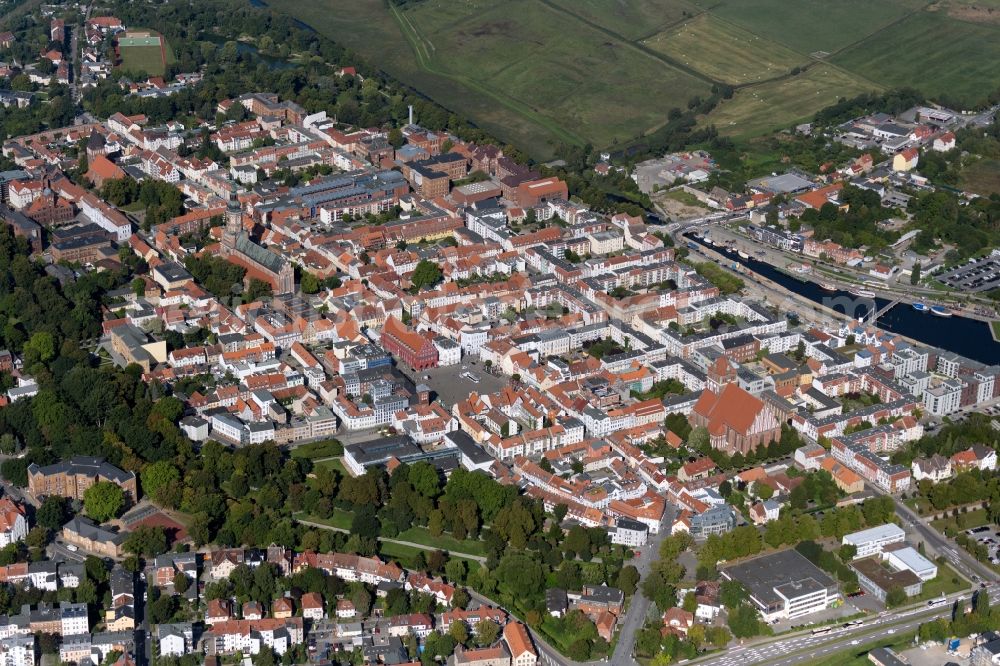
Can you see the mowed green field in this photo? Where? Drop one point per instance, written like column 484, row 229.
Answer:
column 632, row 19
column 808, row 26
column 725, row 51
column 579, row 78
column 538, row 73
column 936, row 54
column 146, row 58
column 526, row 71
column 367, row 28
column 780, row 104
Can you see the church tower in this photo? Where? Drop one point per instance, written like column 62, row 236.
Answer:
column 234, row 220
column 720, row 373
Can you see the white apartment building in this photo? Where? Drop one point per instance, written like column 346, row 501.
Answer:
column 258, row 433
column 18, row 650
column 73, row 619
column 944, row 398
column 227, row 427
column 472, row 339
column 630, row 533
column 172, row 644
column 449, row 351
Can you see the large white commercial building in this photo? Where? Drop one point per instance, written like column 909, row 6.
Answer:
column 907, row 558
column 784, row 585
column 873, row 540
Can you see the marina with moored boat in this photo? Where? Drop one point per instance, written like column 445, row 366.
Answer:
column 967, row 336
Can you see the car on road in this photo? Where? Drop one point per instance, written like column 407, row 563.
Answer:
column 71, row 548
column 855, row 642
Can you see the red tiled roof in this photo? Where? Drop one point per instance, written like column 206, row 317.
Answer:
column 9, row 511
column 733, row 407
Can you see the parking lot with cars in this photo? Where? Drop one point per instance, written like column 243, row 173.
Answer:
column 976, row 275
column 989, row 536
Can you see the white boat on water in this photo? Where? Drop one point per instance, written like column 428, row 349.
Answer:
column 941, row 311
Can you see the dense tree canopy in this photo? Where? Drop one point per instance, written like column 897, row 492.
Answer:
column 103, row 500
column 426, row 274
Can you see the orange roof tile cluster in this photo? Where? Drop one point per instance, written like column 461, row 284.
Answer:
column 10, row 511
column 733, row 408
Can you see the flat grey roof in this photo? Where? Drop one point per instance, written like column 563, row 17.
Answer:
column 877, row 533
column 468, row 447
column 882, row 576
column 787, row 572
column 785, row 183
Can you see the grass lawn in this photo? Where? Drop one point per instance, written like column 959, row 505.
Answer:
column 406, row 555
column 781, row 104
column 972, row 519
column 334, row 464
column 340, row 519
column 995, row 325
column 863, row 400
column 918, row 504
column 955, row 58
column 142, row 58
column 937, row 285
column 444, row 542
column 982, row 176
column 947, row 581
column 725, row 51
column 685, row 198
column 149, row 59
column 807, row 26
column 326, row 448
column 554, row 631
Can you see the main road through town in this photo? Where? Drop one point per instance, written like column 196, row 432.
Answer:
column 806, row 647
column 963, row 562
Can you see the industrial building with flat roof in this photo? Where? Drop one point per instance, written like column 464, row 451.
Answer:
column 879, row 578
column 784, row 585
column 378, row 452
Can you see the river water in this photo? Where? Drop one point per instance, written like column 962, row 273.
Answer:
column 968, row 337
